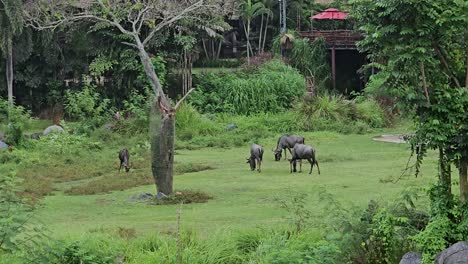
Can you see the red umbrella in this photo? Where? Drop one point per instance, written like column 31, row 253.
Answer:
column 331, row 13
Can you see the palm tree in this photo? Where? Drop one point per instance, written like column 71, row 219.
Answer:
column 250, row 11
column 11, row 25
column 269, row 5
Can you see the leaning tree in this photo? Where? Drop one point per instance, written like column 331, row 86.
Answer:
column 139, row 22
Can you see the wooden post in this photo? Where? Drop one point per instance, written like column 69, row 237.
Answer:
column 333, row 67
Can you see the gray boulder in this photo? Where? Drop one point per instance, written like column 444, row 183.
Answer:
column 231, row 127
column 3, row 145
column 53, row 129
column 161, row 196
column 411, row 258
column 141, row 197
column 456, row 254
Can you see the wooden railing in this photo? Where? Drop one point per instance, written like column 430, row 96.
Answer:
column 337, row 38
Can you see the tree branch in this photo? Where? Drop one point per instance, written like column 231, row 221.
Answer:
column 447, row 68
column 423, row 75
column 168, row 21
column 182, row 99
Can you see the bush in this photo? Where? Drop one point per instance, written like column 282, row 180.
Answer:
column 190, row 124
column 88, row 107
column 270, row 88
column 87, row 250
column 16, row 217
column 137, row 110
column 17, row 119
column 380, row 234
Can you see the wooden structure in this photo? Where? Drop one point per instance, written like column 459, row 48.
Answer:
column 334, row 39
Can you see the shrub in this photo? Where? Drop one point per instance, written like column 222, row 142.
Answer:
column 369, row 111
column 88, row 107
column 136, row 111
column 16, row 217
column 17, row 119
column 190, row 123
column 89, row 249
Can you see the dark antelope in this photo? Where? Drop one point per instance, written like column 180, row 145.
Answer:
column 300, row 152
column 124, row 157
column 286, row 142
column 256, row 156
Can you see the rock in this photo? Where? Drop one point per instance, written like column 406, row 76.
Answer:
column 35, row 136
column 141, row 197
column 411, row 258
column 456, row 254
column 53, row 129
column 231, row 127
column 108, row 126
column 3, row 145
column 161, row 196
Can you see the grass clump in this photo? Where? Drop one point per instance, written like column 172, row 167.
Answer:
column 268, row 88
column 335, row 113
column 185, row 196
column 191, row 167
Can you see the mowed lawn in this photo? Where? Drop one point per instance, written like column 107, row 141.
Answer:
column 354, row 169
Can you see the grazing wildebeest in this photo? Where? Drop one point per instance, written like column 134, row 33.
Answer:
column 256, row 157
column 286, row 142
column 124, row 157
column 300, row 152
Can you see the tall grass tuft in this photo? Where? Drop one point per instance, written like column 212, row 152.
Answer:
column 270, row 88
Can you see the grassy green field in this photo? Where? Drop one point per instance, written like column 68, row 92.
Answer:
column 354, row 169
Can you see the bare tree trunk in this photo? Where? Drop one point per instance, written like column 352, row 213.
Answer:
column 220, row 45
column 204, row 48
column 162, row 149
column 9, row 74
column 260, row 37
column 265, row 34
column 463, row 170
column 247, row 35
column 162, row 129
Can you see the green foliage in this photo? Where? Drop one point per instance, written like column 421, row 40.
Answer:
column 87, row 250
column 16, row 119
column 88, row 107
column 298, row 214
column 380, row 234
column 136, row 110
column 448, row 224
column 310, row 59
column 334, row 112
column 101, row 65
column 159, row 65
column 190, row 124
column 271, row 89
column 17, row 226
column 305, row 247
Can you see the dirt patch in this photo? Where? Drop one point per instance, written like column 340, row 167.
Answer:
column 399, row 138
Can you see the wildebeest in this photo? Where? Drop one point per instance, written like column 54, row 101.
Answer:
column 256, row 157
column 286, row 142
column 300, row 152
column 124, row 158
